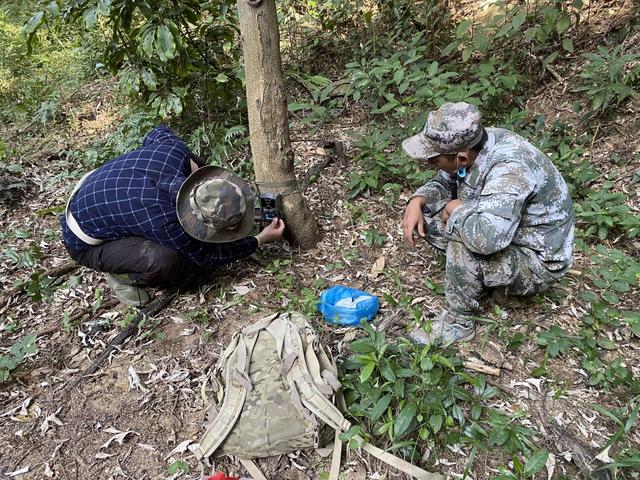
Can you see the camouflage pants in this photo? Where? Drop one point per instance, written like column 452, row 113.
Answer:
column 468, row 276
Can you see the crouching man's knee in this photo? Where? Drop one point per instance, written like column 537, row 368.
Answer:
column 162, row 264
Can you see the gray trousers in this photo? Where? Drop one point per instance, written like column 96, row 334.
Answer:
column 469, row 276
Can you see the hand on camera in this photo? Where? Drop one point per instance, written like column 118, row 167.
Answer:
column 272, row 232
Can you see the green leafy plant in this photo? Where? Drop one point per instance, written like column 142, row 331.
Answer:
column 405, row 395
column 25, row 258
column 609, row 77
column 381, row 165
column 373, row 238
column 23, row 348
column 612, row 273
column 34, row 87
column 179, row 466
column 555, row 340
column 216, row 143
column 626, row 419
column 10, row 174
column 603, row 211
column 171, row 54
column 512, row 30
column 325, row 98
column 37, row 285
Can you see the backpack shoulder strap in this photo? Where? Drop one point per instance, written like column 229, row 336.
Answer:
column 400, row 464
column 253, row 469
column 310, row 395
column 234, row 398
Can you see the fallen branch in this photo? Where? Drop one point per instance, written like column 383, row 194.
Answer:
column 149, row 311
column 315, row 170
column 61, row 269
column 54, row 272
column 482, row 368
column 106, row 305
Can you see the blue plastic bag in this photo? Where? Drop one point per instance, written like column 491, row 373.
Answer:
column 347, row 306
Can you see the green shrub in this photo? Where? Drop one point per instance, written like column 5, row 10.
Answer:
column 20, row 350
column 603, row 211
column 408, row 396
column 609, row 77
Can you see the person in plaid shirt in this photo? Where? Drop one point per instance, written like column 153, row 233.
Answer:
column 147, row 214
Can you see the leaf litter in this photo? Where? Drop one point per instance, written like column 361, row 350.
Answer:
column 171, row 379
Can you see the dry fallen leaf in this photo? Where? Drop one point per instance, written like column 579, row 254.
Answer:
column 180, row 448
column 146, row 446
column 241, row 289
column 551, row 465
column 357, row 472
column 490, row 352
column 378, row 267
column 118, row 436
column 48, row 472
column 22, row 408
column 134, row 380
column 417, row 300
column 51, row 419
column 603, row 456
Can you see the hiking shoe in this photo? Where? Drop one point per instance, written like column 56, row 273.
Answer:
column 128, row 294
column 445, row 329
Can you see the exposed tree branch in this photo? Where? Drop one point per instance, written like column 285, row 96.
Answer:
column 54, row 272
column 315, row 170
column 149, row 311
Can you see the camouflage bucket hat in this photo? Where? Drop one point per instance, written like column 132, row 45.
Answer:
column 215, row 205
column 452, row 128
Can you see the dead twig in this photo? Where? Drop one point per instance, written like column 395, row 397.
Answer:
column 314, row 171
column 54, row 272
column 482, row 368
column 149, row 311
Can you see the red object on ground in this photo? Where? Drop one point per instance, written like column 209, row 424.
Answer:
column 221, row 476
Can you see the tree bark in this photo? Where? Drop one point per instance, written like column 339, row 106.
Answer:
column 268, row 123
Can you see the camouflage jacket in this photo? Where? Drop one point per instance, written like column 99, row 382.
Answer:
column 513, row 194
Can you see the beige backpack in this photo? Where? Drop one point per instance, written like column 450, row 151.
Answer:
column 275, row 389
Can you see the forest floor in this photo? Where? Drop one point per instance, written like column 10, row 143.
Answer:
column 138, row 414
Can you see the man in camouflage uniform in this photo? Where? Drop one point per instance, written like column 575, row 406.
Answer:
column 499, row 209
column 152, row 214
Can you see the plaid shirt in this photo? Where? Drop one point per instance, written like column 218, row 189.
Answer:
column 135, row 194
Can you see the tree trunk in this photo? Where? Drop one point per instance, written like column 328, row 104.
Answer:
column 268, row 123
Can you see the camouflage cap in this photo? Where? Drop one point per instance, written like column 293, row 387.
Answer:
column 215, row 205
column 452, row 128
